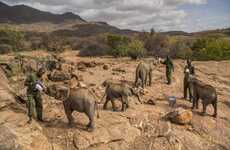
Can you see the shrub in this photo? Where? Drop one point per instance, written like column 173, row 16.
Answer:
column 116, row 40
column 136, row 49
column 211, row 49
column 180, row 49
column 12, row 38
column 94, row 49
column 5, row 48
column 120, row 51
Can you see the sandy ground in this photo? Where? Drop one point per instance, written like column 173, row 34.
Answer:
column 119, row 130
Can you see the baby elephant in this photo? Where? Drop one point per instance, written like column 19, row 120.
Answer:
column 118, row 90
column 81, row 100
column 143, row 73
column 205, row 92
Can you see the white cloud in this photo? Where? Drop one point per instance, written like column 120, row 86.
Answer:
column 134, row 14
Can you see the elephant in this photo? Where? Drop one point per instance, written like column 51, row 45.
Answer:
column 143, row 73
column 116, row 90
column 205, row 92
column 81, row 100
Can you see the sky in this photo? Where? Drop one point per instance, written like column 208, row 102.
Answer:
column 162, row 15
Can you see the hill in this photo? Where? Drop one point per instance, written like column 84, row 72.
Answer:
column 19, row 14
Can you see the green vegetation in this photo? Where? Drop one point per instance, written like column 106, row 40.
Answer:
column 136, row 49
column 213, row 45
column 211, row 49
column 123, row 46
column 10, row 40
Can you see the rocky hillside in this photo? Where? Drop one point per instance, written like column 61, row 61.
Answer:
column 142, row 126
column 21, row 14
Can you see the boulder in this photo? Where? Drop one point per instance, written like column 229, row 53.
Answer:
column 121, row 132
column 180, row 116
column 59, row 76
column 82, row 85
column 8, row 139
column 91, row 64
column 106, row 67
column 119, row 70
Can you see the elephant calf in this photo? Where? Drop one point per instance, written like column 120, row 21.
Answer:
column 81, row 100
column 118, row 90
column 205, row 92
column 143, row 73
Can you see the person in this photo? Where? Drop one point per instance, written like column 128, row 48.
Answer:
column 34, row 89
column 169, row 69
column 188, row 70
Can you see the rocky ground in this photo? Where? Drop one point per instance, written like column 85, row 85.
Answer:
column 141, row 127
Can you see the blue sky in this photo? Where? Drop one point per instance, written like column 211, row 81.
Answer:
column 162, row 15
column 212, row 15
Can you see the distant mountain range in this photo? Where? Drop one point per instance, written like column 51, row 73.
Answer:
column 22, row 14
column 69, row 24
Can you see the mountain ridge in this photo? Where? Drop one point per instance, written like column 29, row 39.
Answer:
column 20, row 14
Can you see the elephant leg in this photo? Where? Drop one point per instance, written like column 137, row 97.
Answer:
column 204, row 108
column 68, row 112
column 142, row 83
column 197, row 103
column 123, row 100
column 150, row 78
column 146, row 78
column 127, row 103
column 90, row 113
column 195, row 99
column 113, row 105
column 106, row 102
column 214, row 104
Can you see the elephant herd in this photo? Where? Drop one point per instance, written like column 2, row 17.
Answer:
column 83, row 99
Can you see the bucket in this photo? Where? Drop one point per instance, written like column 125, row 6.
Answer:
column 172, row 101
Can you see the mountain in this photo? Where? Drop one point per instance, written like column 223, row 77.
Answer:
column 21, row 14
column 176, row 33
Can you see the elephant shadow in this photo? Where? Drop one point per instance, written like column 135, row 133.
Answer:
column 61, row 124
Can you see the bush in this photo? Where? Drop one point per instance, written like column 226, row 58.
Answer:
column 94, row 49
column 136, row 49
column 12, row 38
column 116, row 40
column 180, row 49
column 5, row 48
column 211, row 49
column 120, row 51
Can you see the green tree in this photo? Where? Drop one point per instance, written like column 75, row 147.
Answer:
column 136, row 49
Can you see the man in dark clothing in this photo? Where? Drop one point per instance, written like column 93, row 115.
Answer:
column 188, row 70
column 169, row 69
column 34, row 88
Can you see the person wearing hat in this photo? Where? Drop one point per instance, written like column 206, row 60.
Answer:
column 169, row 69
column 34, row 89
column 188, row 70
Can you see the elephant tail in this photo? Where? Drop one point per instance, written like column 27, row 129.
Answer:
column 97, row 109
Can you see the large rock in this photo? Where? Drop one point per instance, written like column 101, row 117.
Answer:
column 6, row 98
column 59, row 76
column 122, row 132
column 8, row 139
column 83, row 65
column 180, row 116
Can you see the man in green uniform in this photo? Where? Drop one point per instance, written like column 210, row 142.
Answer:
column 169, row 69
column 34, row 94
column 188, row 70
